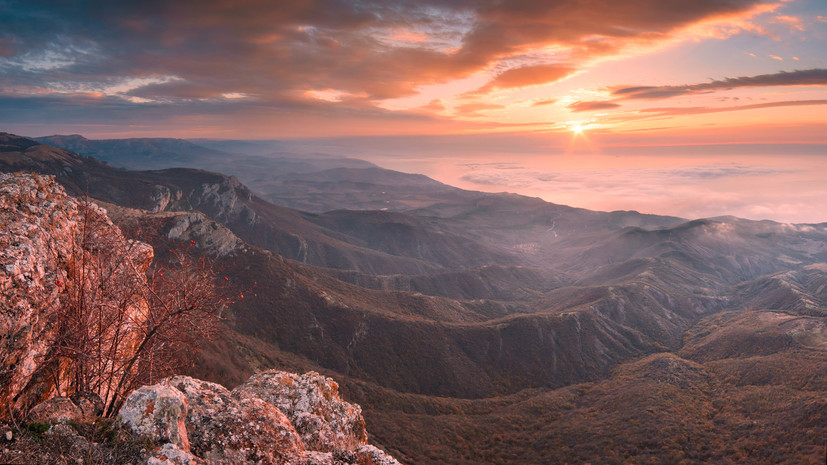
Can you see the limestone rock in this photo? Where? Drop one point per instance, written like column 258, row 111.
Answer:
column 157, row 412
column 55, row 410
column 246, row 426
column 311, row 401
column 211, row 236
column 226, row 429
column 170, row 454
column 41, row 226
column 313, row 457
column 363, row 455
column 223, row 201
column 37, row 225
column 371, row 455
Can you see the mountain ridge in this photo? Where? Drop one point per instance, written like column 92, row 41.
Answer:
column 612, row 306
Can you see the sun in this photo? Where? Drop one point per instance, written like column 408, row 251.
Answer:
column 577, row 127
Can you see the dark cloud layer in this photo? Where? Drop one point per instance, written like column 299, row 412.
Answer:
column 807, row 77
column 267, row 49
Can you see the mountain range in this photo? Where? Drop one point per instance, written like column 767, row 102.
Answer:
column 486, row 328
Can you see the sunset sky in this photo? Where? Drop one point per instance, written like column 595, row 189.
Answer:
column 684, row 107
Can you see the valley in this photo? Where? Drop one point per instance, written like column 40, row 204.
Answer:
column 487, row 328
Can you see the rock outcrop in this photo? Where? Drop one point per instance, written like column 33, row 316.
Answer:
column 228, row 429
column 41, row 226
column 312, row 403
column 159, row 412
column 274, row 418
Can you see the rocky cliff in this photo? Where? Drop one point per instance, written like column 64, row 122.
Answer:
column 274, row 418
column 46, row 238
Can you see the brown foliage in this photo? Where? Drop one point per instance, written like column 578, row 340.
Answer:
column 121, row 323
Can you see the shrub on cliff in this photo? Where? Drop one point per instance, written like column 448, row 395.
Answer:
column 83, row 308
column 124, row 324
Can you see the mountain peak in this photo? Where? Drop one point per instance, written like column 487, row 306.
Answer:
column 14, row 143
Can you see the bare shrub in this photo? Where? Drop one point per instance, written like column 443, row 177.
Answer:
column 122, row 323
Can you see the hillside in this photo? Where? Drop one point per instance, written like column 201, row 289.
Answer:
column 496, row 328
column 313, row 182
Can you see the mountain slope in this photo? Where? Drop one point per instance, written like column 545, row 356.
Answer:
column 290, row 233
column 308, row 182
column 496, row 328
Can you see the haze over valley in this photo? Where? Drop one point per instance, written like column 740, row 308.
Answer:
column 493, row 315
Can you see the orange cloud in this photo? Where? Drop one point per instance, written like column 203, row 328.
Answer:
column 408, row 36
column 544, row 102
column 591, row 106
column 277, row 54
column 471, row 109
column 528, row 76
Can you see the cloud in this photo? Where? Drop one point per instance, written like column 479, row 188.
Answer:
column 471, row 109
column 692, row 191
column 506, row 28
column 593, row 105
column 434, row 106
column 527, row 76
column 276, row 52
column 258, row 46
column 808, row 77
column 7, row 46
column 517, row 176
column 544, row 102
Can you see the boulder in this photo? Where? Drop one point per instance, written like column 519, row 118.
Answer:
column 311, row 401
column 371, row 455
column 227, row 429
column 55, row 410
column 363, row 455
column 157, row 412
column 204, row 423
column 170, row 454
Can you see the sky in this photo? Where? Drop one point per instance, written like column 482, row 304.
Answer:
column 694, row 108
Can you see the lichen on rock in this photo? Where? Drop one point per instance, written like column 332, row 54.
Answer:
column 159, row 412
column 55, row 410
column 170, row 454
column 246, row 426
column 311, row 401
column 227, row 429
column 37, row 227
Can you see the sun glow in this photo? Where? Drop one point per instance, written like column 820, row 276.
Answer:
column 577, row 127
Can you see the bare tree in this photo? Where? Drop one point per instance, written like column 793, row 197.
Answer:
column 122, row 323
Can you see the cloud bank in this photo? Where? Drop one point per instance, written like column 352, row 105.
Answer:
column 198, row 58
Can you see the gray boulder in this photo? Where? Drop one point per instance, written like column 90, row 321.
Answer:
column 228, row 429
column 157, row 412
column 325, row 422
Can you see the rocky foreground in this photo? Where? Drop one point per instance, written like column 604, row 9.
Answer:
column 274, row 417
